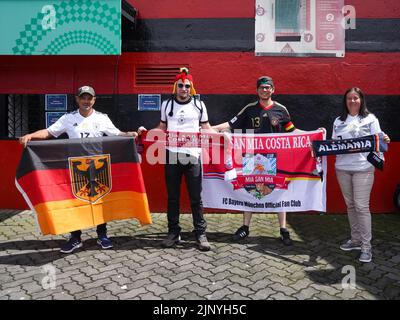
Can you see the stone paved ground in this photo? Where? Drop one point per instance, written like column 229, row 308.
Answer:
column 259, row 268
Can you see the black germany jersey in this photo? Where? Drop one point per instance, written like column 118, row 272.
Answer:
column 272, row 119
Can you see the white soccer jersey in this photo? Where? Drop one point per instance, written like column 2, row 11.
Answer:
column 186, row 117
column 76, row 126
column 354, row 127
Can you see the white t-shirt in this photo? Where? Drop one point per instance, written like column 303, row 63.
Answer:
column 185, row 118
column 76, row 126
column 354, row 127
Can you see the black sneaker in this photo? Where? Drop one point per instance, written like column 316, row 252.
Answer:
column 203, row 243
column 104, row 242
column 285, row 237
column 241, row 233
column 171, row 240
column 71, row 245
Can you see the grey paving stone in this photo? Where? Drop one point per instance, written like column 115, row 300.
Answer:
column 222, row 275
column 306, row 293
column 98, row 283
column 244, row 291
column 90, row 293
column 161, row 280
column 217, row 285
column 263, row 294
column 286, row 290
column 133, row 294
column 103, row 275
column 365, row 295
column 260, row 268
column 16, row 283
column 139, row 283
column 220, row 294
column 155, row 289
column 45, row 294
column 241, row 281
column 72, row 288
column 348, row 294
column 182, row 276
column 149, row 296
column 281, row 296
column 329, row 290
column 236, row 296
column 199, row 290
column 175, row 294
column 62, row 296
column 178, row 284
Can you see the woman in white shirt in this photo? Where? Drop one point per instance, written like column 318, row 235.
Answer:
column 354, row 172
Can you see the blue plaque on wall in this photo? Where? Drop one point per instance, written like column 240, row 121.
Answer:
column 56, row 102
column 149, row 102
column 52, row 117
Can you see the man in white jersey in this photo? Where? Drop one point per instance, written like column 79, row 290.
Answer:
column 85, row 122
column 184, row 113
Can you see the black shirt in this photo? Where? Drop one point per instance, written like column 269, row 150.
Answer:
column 272, row 119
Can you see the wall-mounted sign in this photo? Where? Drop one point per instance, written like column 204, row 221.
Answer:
column 52, row 117
column 55, row 102
column 60, row 27
column 149, row 102
column 300, row 28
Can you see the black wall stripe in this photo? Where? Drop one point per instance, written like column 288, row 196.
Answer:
column 191, row 35
column 378, row 35
column 237, row 34
column 3, row 116
column 51, row 154
column 308, row 112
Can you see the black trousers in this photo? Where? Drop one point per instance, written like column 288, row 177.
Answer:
column 175, row 168
column 101, row 231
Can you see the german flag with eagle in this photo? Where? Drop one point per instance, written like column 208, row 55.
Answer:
column 74, row 184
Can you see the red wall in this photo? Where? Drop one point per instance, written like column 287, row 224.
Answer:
column 10, row 198
column 41, row 75
column 381, row 198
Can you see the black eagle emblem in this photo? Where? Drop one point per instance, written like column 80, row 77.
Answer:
column 94, row 182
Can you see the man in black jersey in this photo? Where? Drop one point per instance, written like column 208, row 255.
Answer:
column 261, row 116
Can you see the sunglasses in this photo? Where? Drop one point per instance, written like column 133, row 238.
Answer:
column 181, row 85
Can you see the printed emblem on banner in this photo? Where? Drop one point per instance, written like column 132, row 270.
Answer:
column 90, row 177
column 258, row 170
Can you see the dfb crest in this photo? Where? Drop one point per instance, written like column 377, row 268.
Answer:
column 90, row 177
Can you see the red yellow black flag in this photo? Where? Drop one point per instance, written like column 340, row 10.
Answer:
column 75, row 184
